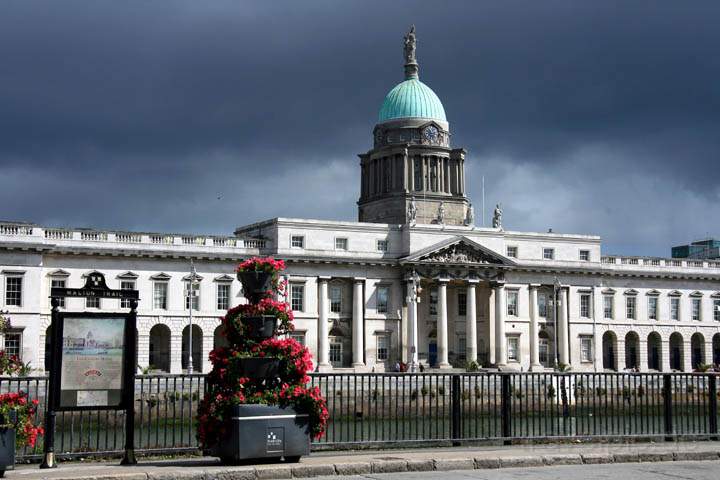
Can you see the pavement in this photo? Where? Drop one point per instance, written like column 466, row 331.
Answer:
column 368, row 463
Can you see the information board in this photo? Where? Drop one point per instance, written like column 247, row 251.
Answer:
column 92, row 360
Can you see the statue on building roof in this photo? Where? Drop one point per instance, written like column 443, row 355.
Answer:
column 470, row 215
column 410, row 43
column 497, row 217
column 441, row 213
column 412, row 212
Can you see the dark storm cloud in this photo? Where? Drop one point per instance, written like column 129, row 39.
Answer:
column 589, row 117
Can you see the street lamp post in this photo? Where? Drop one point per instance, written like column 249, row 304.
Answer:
column 556, row 311
column 191, row 294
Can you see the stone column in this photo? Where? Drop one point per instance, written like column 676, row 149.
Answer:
column 412, row 330
column 708, row 360
column 500, row 341
column 687, row 356
column 534, row 330
column 620, row 355
column 358, row 324
column 563, row 350
column 143, row 347
column 471, row 339
column 442, row 324
column 643, row 355
column 323, row 339
column 175, row 353
column 491, row 327
column 665, row 356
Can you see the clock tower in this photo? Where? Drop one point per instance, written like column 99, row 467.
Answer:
column 412, row 174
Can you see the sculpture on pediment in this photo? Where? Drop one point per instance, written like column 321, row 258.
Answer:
column 497, row 217
column 412, row 212
column 457, row 253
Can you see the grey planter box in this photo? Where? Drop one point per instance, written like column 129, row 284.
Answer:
column 7, row 450
column 265, row 432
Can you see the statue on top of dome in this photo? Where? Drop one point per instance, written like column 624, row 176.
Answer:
column 410, row 46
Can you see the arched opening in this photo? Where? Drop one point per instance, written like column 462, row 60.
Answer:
column 697, row 350
column 609, row 345
column 544, row 350
column 676, row 351
column 197, row 338
column 159, row 349
column 654, row 347
column 219, row 340
column 716, row 349
column 340, row 348
column 632, row 351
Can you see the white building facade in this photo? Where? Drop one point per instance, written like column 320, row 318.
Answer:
column 414, row 282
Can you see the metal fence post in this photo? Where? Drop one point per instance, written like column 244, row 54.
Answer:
column 668, row 410
column 505, row 400
column 456, row 423
column 712, row 393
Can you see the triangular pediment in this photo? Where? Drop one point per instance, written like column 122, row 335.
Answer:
column 162, row 276
column 128, row 276
column 458, row 251
column 59, row 273
column 224, row 278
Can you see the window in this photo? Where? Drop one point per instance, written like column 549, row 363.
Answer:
column 674, row 309
column 549, row 253
column 433, row 301
column 335, row 299
column 160, row 294
column 418, row 174
column 382, row 245
column 194, row 295
column 512, row 303
column 716, row 310
column 341, row 244
column 13, row 291
column 13, row 344
column 585, row 305
column 462, row 303
column 652, row 308
column 382, row 299
column 543, row 349
column 336, row 351
column 586, row 350
column 297, row 297
column 585, row 255
column 542, row 305
column 382, row 348
column 299, row 337
column 696, row 311
column 512, row 252
column 126, row 285
column 297, row 241
column 513, row 344
column 59, row 283
column 608, row 306
column 630, row 307
column 223, row 296
column 92, row 302
column 462, row 347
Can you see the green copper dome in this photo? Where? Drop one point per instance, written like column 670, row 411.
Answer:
column 411, row 99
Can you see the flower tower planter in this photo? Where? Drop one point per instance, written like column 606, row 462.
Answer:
column 257, row 404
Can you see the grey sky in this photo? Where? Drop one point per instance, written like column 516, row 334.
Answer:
column 587, row 117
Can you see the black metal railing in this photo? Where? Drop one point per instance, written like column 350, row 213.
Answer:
column 403, row 408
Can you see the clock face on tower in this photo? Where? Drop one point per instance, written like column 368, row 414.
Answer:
column 431, row 133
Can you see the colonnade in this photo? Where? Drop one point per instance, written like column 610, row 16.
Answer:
column 358, row 324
